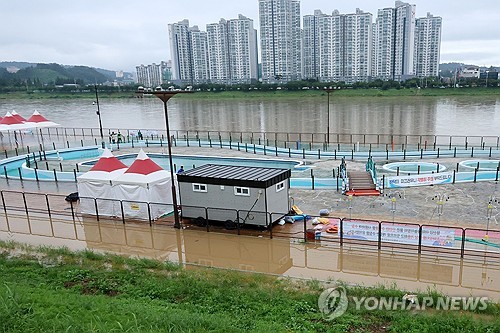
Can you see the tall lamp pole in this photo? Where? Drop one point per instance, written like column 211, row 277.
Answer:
column 165, row 96
column 328, row 91
column 99, row 115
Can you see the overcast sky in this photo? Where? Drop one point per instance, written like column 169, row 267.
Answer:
column 121, row 34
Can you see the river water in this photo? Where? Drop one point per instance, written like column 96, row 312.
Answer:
column 455, row 115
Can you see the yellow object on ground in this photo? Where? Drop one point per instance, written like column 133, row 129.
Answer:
column 297, row 210
column 323, row 220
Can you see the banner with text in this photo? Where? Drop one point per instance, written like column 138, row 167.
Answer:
column 398, row 233
column 419, row 180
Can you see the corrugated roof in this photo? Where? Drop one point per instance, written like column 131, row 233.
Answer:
column 235, row 175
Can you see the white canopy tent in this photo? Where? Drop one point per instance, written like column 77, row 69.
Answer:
column 10, row 123
column 144, row 181
column 97, row 184
column 39, row 121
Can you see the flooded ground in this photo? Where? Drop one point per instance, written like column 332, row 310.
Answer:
column 477, row 276
column 465, row 207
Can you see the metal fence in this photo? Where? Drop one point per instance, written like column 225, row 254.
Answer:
column 50, row 215
column 309, row 141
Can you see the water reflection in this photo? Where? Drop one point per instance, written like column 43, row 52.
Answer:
column 479, row 276
column 379, row 115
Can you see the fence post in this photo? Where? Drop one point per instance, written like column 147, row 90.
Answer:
column 123, row 213
column 341, row 233
column 238, row 221
column 74, row 173
column 454, row 172
column 379, row 235
column 96, row 209
column 462, row 247
column 20, row 174
column 36, row 174
column 305, row 231
column 420, row 239
column 472, row 154
column 72, row 210
column 4, row 208
column 5, row 172
column 206, row 219
column 312, row 179
column 48, row 209
column 270, row 225
column 55, row 175
column 149, row 216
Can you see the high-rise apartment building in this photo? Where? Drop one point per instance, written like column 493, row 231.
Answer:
column 218, row 52
column 232, row 51
column 394, row 42
column 149, row 76
column 243, row 54
column 427, row 46
column 337, row 47
column 189, row 51
column 199, row 53
column 180, row 51
column 280, row 39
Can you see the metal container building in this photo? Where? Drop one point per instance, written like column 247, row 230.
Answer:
column 235, row 193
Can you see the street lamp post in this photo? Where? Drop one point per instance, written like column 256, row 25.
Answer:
column 328, row 91
column 487, row 72
column 99, row 115
column 165, row 96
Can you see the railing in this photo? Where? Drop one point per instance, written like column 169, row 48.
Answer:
column 310, row 141
column 50, row 215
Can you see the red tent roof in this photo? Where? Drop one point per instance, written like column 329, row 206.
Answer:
column 36, row 118
column 108, row 163
column 18, row 116
column 143, row 165
column 9, row 119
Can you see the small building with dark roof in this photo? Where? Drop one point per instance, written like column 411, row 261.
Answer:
column 249, row 195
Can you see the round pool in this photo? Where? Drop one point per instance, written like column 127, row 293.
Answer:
column 481, row 165
column 413, row 167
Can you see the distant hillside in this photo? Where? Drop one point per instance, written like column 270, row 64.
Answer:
column 53, row 73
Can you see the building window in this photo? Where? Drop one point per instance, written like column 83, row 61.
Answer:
column 244, row 191
column 199, row 188
column 280, row 186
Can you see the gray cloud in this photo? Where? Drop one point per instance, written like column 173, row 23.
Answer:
column 116, row 34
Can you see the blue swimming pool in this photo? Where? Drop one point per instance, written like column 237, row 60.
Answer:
column 16, row 167
column 414, row 167
column 191, row 161
column 481, row 165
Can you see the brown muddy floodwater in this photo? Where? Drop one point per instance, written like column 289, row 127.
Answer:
column 477, row 276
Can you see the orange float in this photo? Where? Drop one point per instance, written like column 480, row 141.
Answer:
column 332, row 229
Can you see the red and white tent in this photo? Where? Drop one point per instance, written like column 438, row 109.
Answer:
column 11, row 123
column 144, row 181
column 37, row 120
column 97, row 183
column 18, row 116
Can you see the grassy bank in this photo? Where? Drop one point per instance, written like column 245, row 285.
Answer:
column 56, row 290
column 272, row 94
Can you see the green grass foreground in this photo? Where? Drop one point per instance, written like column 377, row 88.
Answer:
column 56, row 290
